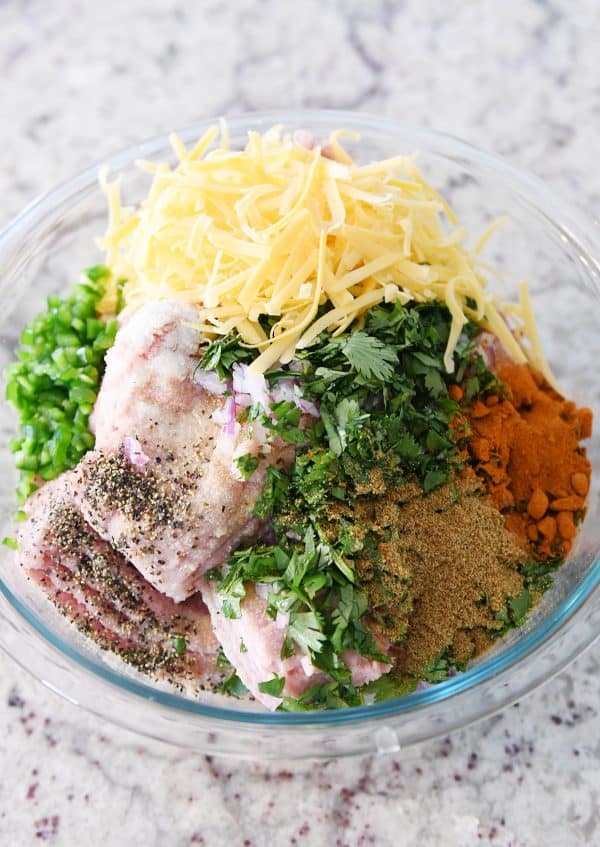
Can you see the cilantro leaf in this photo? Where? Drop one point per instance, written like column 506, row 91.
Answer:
column 306, row 630
column 247, row 464
column 222, row 661
column 328, row 695
column 538, row 575
column 285, row 422
column 370, row 357
column 233, row 685
column 388, row 686
column 221, row 355
column 233, row 592
column 519, row 606
column 274, row 686
column 433, row 479
column 515, row 612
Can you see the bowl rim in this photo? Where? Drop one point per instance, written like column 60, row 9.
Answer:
column 566, row 218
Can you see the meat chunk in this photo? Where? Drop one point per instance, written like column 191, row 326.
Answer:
column 173, row 503
column 106, row 598
column 253, row 643
column 493, row 353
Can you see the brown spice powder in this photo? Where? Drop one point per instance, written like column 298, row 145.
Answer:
column 464, row 565
column 438, row 569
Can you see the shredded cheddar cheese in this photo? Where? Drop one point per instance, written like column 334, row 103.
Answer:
column 306, row 236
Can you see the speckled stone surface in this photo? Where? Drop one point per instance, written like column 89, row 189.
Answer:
column 79, row 81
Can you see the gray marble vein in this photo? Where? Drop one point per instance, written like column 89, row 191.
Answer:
column 79, row 81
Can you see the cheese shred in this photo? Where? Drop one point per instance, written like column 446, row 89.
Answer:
column 303, row 235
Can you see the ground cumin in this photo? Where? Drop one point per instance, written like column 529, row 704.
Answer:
column 436, row 568
column 526, row 449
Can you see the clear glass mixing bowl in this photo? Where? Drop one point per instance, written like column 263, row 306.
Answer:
column 544, row 242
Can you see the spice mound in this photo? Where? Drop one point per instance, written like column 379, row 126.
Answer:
column 458, row 561
column 526, row 449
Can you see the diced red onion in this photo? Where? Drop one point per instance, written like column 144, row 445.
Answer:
column 134, row 452
column 422, row 685
column 229, row 427
column 307, row 407
column 247, row 382
column 261, row 434
column 211, row 382
column 251, row 389
column 243, row 400
column 226, row 416
column 284, row 391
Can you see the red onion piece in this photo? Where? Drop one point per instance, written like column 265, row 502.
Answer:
column 285, row 391
column 211, row 382
column 307, row 407
column 226, row 415
column 243, row 400
column 134, row 452
column 246, row 382
column 229, row 428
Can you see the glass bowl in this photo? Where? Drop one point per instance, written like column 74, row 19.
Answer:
column 544, row 242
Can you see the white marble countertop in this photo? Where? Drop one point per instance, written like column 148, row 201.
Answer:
column 79, row 81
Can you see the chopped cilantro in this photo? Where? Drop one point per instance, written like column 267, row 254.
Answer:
column 385, row 418
column 370, row 356
column 327, row 695
column 433, row 479
column 388, row 686
column 246, row 464
column 516, row 610
column 233, row 685
column 222, row 661
column 221, row 355
column 537, row 579
column 10, row 542
column 305, row 630
column 325, row 610
column 274, row 686
column 438, row 670
column 519, row 606
column 538, row 575
column 285, row 422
